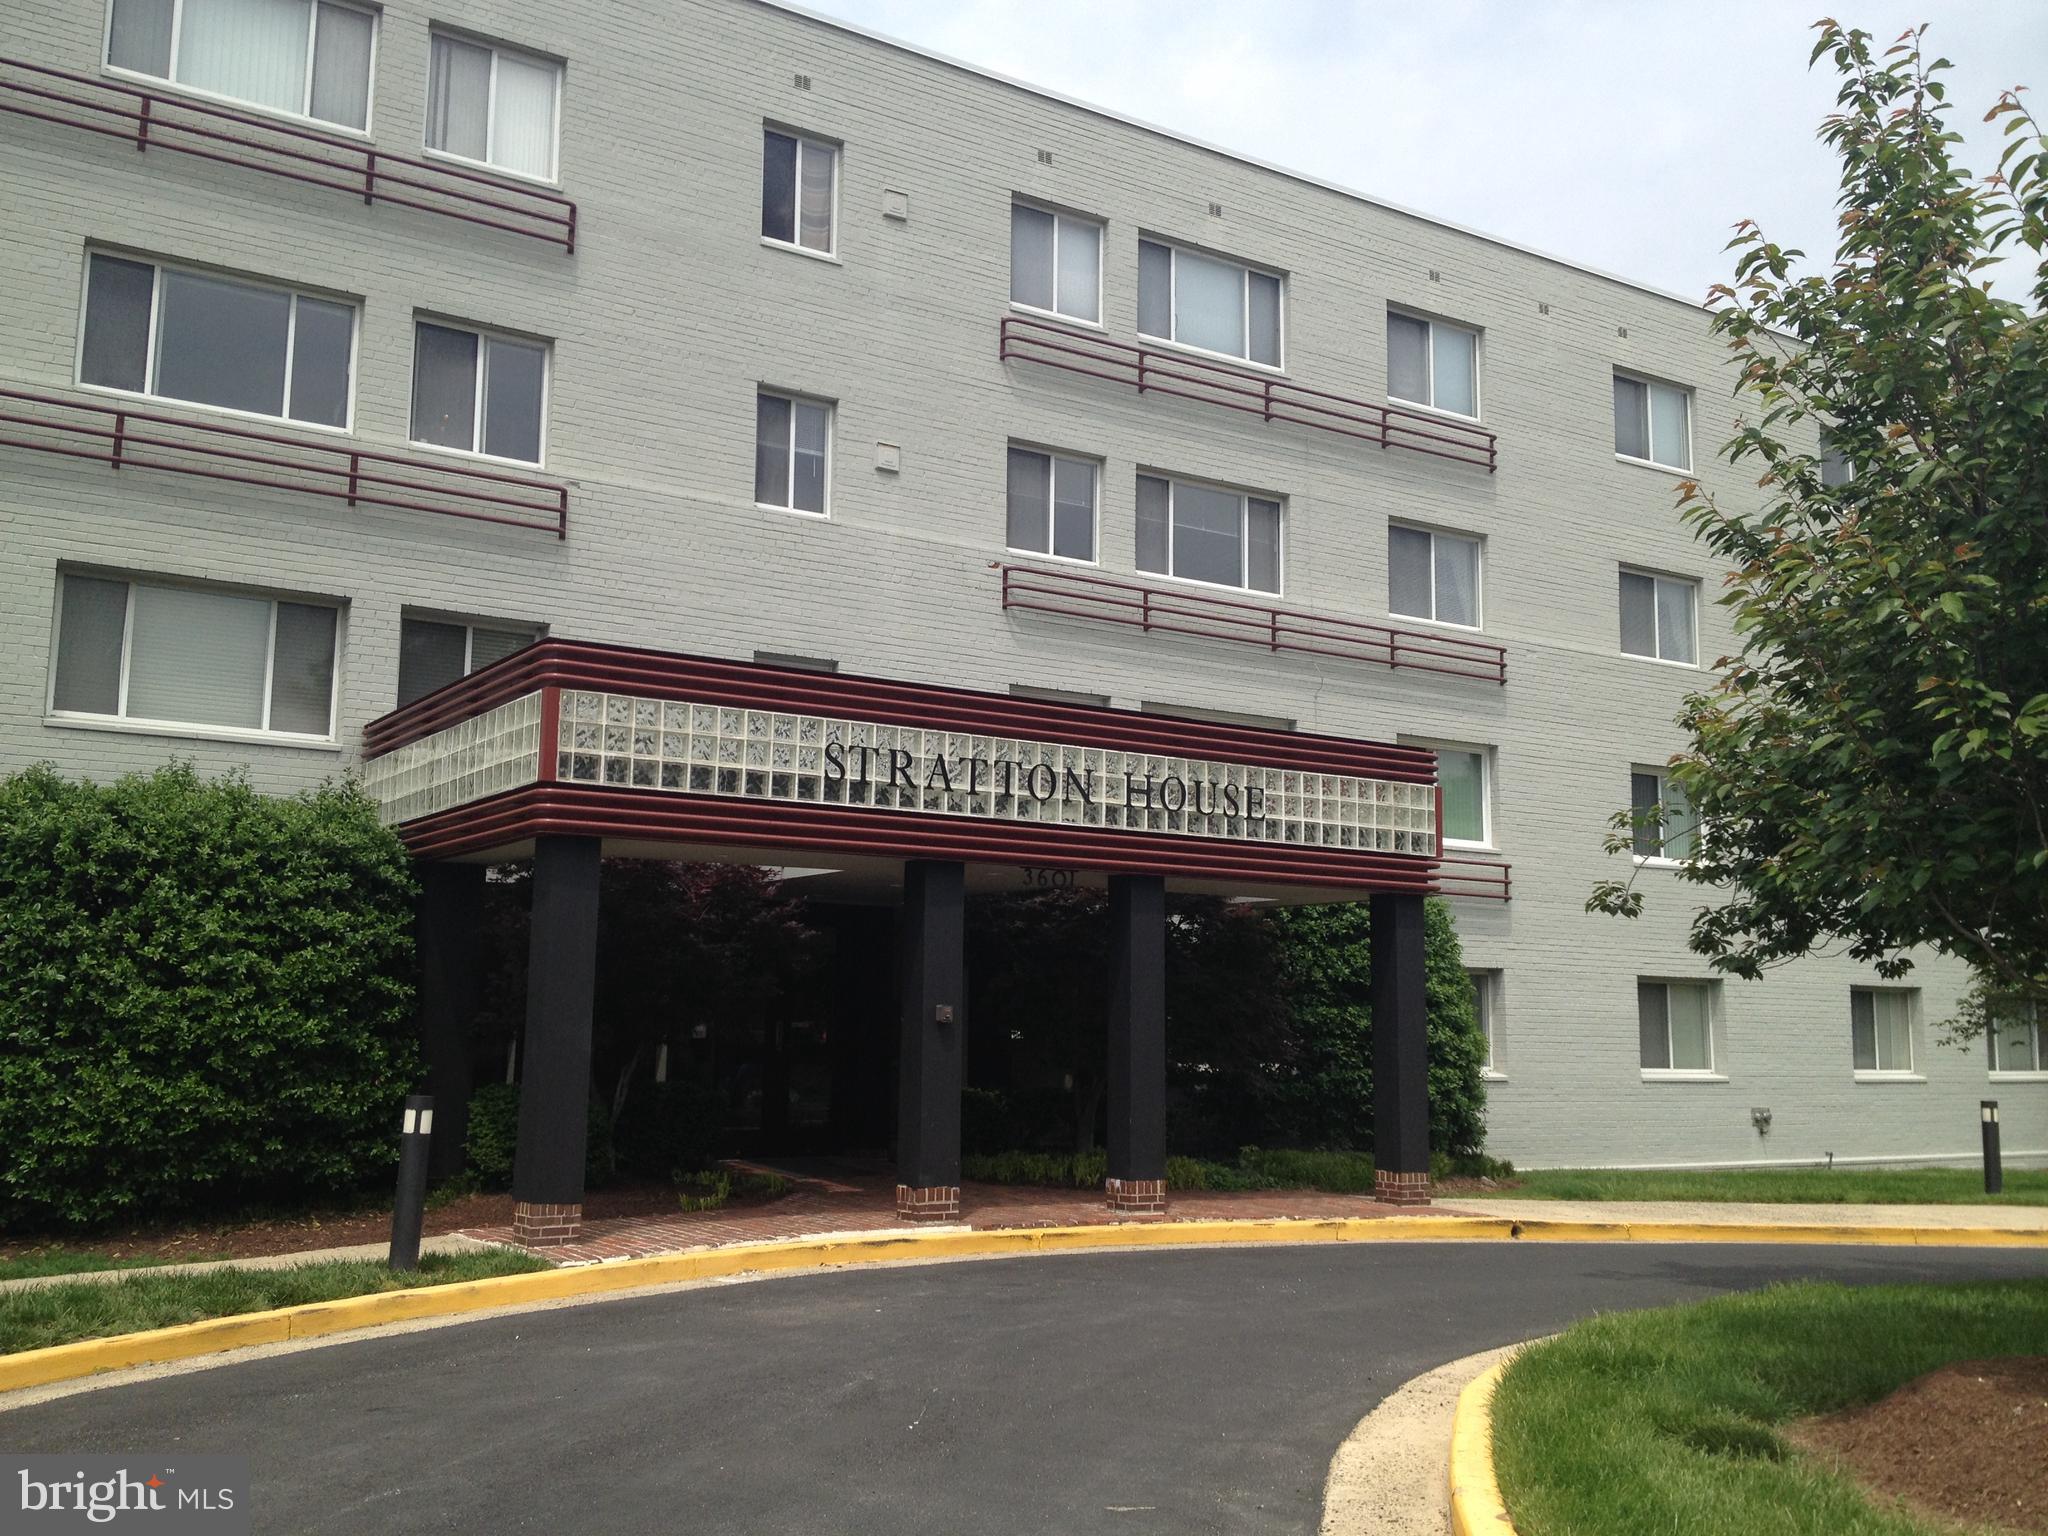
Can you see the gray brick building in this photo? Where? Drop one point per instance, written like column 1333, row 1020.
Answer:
column 717, row 328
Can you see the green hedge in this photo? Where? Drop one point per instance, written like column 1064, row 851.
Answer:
column 205, row 995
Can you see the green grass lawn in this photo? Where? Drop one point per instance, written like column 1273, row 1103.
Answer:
column 1820, row 1186
column 91, row 1309
column 1666, row 1421
column 69, row 1261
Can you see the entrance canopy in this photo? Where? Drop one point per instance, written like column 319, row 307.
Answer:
column 839, row 780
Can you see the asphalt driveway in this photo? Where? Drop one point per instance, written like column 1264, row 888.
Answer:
column 1141, row 1393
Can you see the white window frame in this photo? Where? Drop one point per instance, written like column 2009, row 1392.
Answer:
column 1096, row 467
column 483, row 334
column 1244, row 304
column 1711, row 1072
column 1910, row 1072
column 1060, row 217
column 2030, row 1016
column 1486, row 992
column 1485, row 755
column 831, row 409
column 469, row 627
column 1478, row 584
column 1684, row 393
column 149, row 725
column 1661, row 860
column 291, row 338
column 1658, row 579
column 807, row 141
column 1429, row 360
column 524, row 56
column 1244, row 543
column 241, row 104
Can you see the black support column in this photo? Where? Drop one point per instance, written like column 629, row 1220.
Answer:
column 1400, row 1053
column 933, row 974
column 554, row 1094
column 1136, row 1185
column 450, row 933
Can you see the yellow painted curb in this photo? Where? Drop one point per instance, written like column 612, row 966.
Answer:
column 63, row 1362
column 1476, row 1508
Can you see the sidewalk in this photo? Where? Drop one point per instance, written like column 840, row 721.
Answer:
column 1731, row 1213
column 451, row 1243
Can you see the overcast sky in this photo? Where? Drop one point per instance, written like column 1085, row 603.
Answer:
column 1622, row 134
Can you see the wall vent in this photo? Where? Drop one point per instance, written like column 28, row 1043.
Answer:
column 1215, row 210
column 803, row 82
column 1621, row 331
column 1045, row 157
column 1542, row 309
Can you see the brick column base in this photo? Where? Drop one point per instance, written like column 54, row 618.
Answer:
column 545, row 1226
column 934, row 1202
column 1390, row 1188
column 1135, row 1197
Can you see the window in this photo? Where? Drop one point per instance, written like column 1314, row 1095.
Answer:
column 297, row 56
column 1673, row 1020
column 1881, row 1029
column 1657, row 617
column 1201, row 533
column 792, row 453
column 1461, row 774
column 493, row 106
column 478, row 392
column 1432, row 364
column 1665, row 827
column 1055, row 262
column 435, row 652
column 1834, row 466
column 1204, row 301
column 2015, row 1039
column 1652, row 422
column 1052, row 505
column 221, row 341
column 1484, row 984
column 131, row 650
column 1433, row 575
column 799, row 191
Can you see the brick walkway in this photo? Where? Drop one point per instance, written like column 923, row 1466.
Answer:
column 819, row 1208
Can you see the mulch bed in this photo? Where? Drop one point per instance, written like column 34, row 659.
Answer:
column 1965, row 1442
column 251, row 1237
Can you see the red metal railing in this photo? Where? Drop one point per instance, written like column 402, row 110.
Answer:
column 1190, row 378
column 1176, row 611
column 1484, row 878
column 165, row 120
column 130, row 438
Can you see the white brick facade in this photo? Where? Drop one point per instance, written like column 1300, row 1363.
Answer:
column 672, row 312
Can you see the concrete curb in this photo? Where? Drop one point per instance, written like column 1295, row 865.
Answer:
column 63, row 1362
column 1476, row 1508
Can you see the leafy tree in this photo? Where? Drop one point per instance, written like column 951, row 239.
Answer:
column 1872, row 768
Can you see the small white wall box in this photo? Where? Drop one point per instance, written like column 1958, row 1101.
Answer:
column 896, row 205
column 888, row 458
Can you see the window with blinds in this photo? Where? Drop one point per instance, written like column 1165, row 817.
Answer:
column 1208, row 534
column 799, row 191
column 308, row 58
column 492, row 105
column 1433, row 576
column 167, row 654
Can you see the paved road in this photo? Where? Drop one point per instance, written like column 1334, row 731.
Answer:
column 1141, row 1393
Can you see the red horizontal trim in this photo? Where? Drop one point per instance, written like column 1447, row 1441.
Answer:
column 103, row 433
column 1177, row 611
column 660, row 675
column 1150, row 371
column 169, row 121
column 589, row 811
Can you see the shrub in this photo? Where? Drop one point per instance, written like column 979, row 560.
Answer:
column 666, row 1129
column 205, row 995
column 1326, row 969
column 493, row 1133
